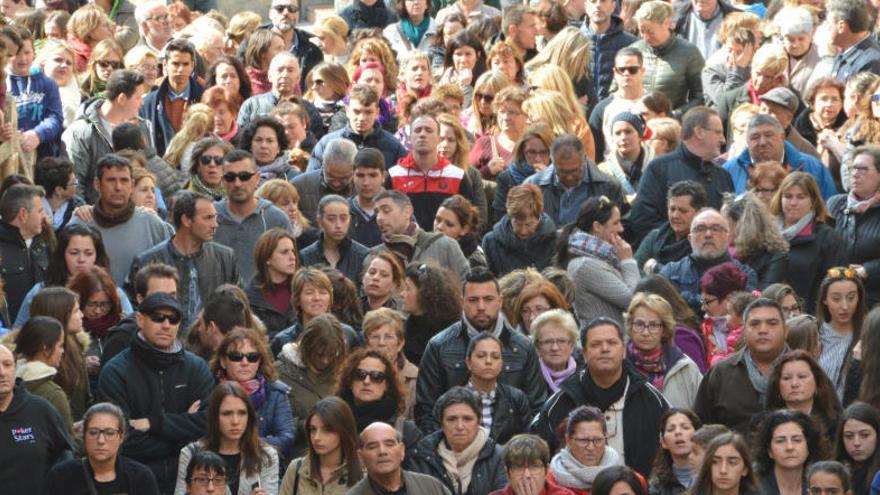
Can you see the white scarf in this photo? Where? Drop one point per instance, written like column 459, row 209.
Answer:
column 570, row 473
column 460, row 465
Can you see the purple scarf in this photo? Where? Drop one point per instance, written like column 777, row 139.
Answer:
column 255, row 387
column 651, row 366
column 555, row 378
column 581, row 243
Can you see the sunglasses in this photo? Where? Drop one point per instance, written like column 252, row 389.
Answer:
column 632, row 69
column 160, row 317
column 485, row 97
column 844, row 272
column 207, row 159
column 361, row 375
column 242, row 176
column 289, row 8
column 109, row 63
column 236, row 356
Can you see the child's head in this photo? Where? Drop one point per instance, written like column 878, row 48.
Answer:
column 701, row 440
column 55, row 25
column 803, row 334
column 736, row 306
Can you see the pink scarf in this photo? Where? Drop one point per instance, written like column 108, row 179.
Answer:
column 651, row 366
column 555, row 378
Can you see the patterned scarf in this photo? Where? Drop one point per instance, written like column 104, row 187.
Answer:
column 859, row 206
column 255, row 387
column 581, row 243
column 651, row 366
column 520, row 171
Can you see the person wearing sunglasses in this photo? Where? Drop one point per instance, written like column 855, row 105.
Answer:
column 206, row 167
column 164, row 388
column 629, row 75
column 102, row 467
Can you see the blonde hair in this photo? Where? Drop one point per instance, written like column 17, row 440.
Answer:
column 755, row 231
column 242, row 24
column 140, row 173
column 569, row 50
column 512, row 94
column 52, row 48
column 525, row 201
column 550, row 107
column 654, row 11
column 198, row 121
column 100, row 52
column 554, row 78
column 771, row 56
column 667, row 129
column 378, row 318
column 659, row 306
column 335, row 27
column 138, row 55
column 85, row 20
column 462, row 143
column 493, row 81
column 736, row 20
column 558, row 317
column 380, row 48
column 277, row 190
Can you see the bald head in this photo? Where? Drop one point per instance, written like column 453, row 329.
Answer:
column 381, row 451
column 710, row 234
column 7, row 376
column 378, row 429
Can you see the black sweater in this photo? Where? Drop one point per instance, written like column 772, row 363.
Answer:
column 69, row 477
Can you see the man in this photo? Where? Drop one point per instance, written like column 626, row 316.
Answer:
column 520, row 27
column 702, row 136
column 242, row 217
column 424, row 175
column 699, row 21
column 734, row 390
column 381, row 451
column 783, row 104
column 369, row 174
column 669, row 242
column 202, row 264
column 127, row 231
column 56, row 177
column 222, row 313
column 769, row 70
column 164, row 106
column 155, row 25
column 129, row 136
column 334, row 177
column 709, row 238
column 628, row 76
column 90, row 136
column 152, row 278
column 34, row 436
column 571, row 180
column 766, row 143
column 629, row 156
column 632, row 406
column 401, row 234
column 162, row 388
column 367, row 14
column 858, row 51
column 441, row 366
column 606, row 32
column 362, row 129
column 284, row 76
column 284, row 15
column 334, row 248
column 24, row 253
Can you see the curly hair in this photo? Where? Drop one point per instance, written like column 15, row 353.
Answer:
column 723, row 279
column 755, row 231
column 246, row 135
column 825, row 402
column 232, row 341
column 381, row 49
column 439, row 296
column 763, row 439
column 394, row 389
column 346, row 304
column 244, row 82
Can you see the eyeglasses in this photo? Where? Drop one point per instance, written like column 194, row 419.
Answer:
column 485, row 97
column 764, row 190
column 203, row 481
column 520, row 470
column 109, row 63
column 242, row 176
column 536, row 153
column 586, row 442
column 160, row 317
column 534, row 311
column 705, row 301
column 632, row 69
column 160, row 18
column 841, row 271
column 549, row 343
column 282, row 8
column 208, row 159
column 102, row 305
column 109, row 433
column 361, row 375
column 237, row 357
column 715, row 229
column 647, row 326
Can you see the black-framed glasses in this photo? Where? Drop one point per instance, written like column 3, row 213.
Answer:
column 586, row 442
column 632, row 69
column 109, row 433
column 160, row 317
column 361, row 375
column 208, row 159
column 282, row 8
column 109, row 63
column 217, row 480
column 706, row 301
column 242, row 176
column 237, row 357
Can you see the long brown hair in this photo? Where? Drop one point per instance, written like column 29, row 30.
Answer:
column 231, row 342
column 253, row 457
column 806, row 182
column 59, row 302
column 337, row 417
column 394, row 388
column 825, row 401
column 704, row 484
column 267, row 243
column 662, row 470
column 93, row 280
column 869, row 391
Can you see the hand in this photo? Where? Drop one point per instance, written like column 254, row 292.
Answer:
column 524, row 486
column 194, row 408
column 142, row 424
column 624, row 250
column 740, row 58
column 85, row 213
column 857, row 351
column 465, row 77
column 93, row 364
column 860, row 271
column 78, row 427
column 29, row 141
column 650, row 266
column 497, row 165
column 827, row 137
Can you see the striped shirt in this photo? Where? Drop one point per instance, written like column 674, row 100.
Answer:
column 487, row 400
column 835, row 348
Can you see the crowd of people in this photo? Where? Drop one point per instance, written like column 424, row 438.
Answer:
column 457, row 247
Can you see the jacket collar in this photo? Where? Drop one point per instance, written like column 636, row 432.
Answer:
column 409, row 162
column 616, row 27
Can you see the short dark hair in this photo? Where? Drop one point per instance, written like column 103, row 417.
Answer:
column 52, row 172
column 205, row 460
column 185, row 204
column 763, row 302
column 610, row 476
column 600, row 321
column 831, row 467
column 853, row 12
column 480, row 276
column 398, row 197
column 153, row 270
column 128, row 136
column 479, row 338
column 224, row 310
column 630, row 51
column 369, row 158
column 123, row 82
column 458, row 395
column 689, row 188
column 246, row 136
column 239, row 155
column 112, row 160
column 17, row 197
column 696, row 117
column 584, row 414
column 180, row 45
column 567, row 144
column 364, row 94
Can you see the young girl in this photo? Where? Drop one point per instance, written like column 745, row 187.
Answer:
column 726, row 468
column 841, row 309
column 857, row 444
column 672, row 472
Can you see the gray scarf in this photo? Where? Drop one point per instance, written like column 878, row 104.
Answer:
column 759, row 381
column 570, row 473
column 795, row 229
column 473, row 331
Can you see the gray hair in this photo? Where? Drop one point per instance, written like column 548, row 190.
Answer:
column 282, row 55
column 853, row 12
column 329, row 199
column 142, row 11
column 764, row 119
column 16, row 198
column 566, row 145
column 339, row 152
column 559, row 317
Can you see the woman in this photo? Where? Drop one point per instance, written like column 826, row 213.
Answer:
column 524, row 237
column 383, row 331
column 328, row 83
column 727, row 468
column 57, row 62
column 262, row 46
column 716, row 287
column 554, row 78
column 415, row 30
column 504, row 58
column 765, row 179
column 266, row 139
column 105, row 58
column 39, row 346
column 309, row 367
column 331, row 36
column 493, row 151
column 102, row 307
column 619, row 480
column 652, row 351
column 530, row 155
column 369, row 383
column 586, row 452
column 665, row 135
column 416, row 78
column 198, row 123
column 785, row 444
column 334, row 247
column 382, row 280
column 856, row 444
column 797, row 382
column 240, row 26
column 330, row 466
column 757, row 241
column 545, row 105
column 857, row 218
column 673, row 471
column 275, row 260
column 555, row 337
column 225, row 106
column 233, row 433
column 459, row 219
column 372, row 74
column 432, row 300
column 480, row 117
column 841, row 308
column 452, row 24
column 242, row 357
column 829, row 476
column 284, row 195
column 533, row 300
column 206, row 169
column 461, row 454
column 295, row 118
column 180, row 15
column 599, row 260
column 143, row 193
column 229, row 73
column 88, row 26
column 377, row 50
column 570, row 51
column 814, row 245
column 455, row 146
column 464, row 63
column 825, row 100
column 142, row 59
column 785, row 296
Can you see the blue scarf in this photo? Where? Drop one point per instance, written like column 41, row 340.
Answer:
column 520, row 171
column 415, row 33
